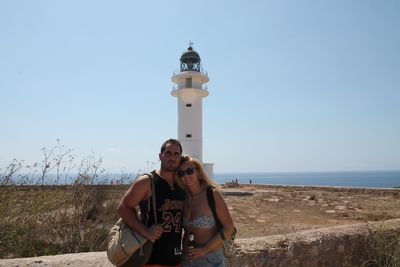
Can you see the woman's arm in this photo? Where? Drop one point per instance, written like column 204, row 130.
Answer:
column 223, row 214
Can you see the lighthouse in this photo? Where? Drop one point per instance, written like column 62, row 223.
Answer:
column 190, row 89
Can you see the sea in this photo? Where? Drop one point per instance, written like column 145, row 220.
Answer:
column 381, row 179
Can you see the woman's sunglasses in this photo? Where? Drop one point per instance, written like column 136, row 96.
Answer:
column 182, row 173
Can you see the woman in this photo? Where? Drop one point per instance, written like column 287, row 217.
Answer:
column 199, row 220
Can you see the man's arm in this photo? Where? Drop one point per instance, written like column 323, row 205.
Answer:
column 140, row 190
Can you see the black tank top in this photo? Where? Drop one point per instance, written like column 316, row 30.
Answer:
column 169, row 201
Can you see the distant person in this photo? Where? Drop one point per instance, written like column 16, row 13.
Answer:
column 236, row 181
column 250, row 181
column 199, row 219
column 167, row 234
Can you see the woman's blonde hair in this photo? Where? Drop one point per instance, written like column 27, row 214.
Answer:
column 205, row 180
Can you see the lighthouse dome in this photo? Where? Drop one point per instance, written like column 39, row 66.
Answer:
column 190, row 60
column 190, row 54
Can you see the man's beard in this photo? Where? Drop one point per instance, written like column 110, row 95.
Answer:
column 165, row 167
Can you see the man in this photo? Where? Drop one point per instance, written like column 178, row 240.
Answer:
column 167, row 233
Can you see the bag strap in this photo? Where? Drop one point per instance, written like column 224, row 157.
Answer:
column 211, row 204
column 153, row 195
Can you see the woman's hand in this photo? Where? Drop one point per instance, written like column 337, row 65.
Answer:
column 196, row 253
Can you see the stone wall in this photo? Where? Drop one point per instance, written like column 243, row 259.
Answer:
column 330, row 247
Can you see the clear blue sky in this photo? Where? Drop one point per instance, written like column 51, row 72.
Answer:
column 294, row 85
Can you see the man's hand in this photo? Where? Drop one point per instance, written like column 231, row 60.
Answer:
column 154, row 232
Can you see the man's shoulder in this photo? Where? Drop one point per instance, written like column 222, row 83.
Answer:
column 147, row 176
column 143, row 181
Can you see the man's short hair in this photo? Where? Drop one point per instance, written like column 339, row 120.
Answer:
column 172, row 142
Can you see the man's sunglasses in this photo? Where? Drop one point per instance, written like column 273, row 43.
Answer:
column 182, row 173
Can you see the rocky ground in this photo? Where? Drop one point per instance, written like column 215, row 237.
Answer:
column 263, row 210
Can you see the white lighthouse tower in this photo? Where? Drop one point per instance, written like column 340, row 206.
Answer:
column 189, row 88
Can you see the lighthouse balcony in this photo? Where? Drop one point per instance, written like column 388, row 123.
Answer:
column 180, row 87
column 202, row 72
column 185, row 91
column 193, row 75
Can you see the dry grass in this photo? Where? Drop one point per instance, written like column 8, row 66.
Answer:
column 382, row 246
column 41, row 217
column 48, row 220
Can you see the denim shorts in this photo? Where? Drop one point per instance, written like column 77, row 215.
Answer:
column 213, row 259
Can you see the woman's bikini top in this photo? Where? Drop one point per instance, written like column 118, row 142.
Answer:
column 202, row 222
